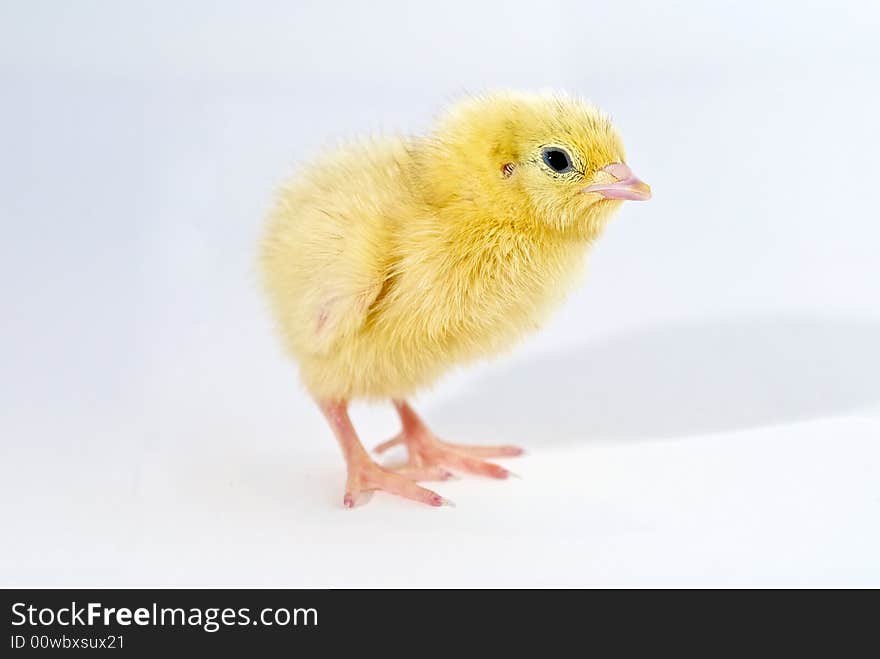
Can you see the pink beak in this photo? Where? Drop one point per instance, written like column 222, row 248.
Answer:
column 627, row 185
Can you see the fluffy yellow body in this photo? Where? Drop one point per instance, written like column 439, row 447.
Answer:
column 388, row 262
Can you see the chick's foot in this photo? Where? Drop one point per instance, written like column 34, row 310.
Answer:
column 365, row 475
column 427, row 452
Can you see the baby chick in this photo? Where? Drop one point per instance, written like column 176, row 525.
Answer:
column 388, row 262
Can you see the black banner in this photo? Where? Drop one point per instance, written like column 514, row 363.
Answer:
column 144, row 622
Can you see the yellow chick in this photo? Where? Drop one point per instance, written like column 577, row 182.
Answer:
column 388, row 262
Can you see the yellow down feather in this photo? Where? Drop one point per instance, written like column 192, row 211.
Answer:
column 390, row 261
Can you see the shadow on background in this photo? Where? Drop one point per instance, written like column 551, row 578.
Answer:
column 676, row 381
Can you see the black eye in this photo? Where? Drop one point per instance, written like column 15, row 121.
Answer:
column 556, row 159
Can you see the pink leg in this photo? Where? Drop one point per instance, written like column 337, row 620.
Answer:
column 363, row 473
column 427, row 451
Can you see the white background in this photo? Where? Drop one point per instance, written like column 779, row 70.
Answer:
column 705, row 410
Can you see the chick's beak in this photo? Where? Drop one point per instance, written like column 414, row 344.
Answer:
column 625, row 184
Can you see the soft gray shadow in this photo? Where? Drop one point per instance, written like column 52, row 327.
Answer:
column 677, row 381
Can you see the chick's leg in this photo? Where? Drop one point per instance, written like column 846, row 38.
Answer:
column 363, row 473
column 426, row 451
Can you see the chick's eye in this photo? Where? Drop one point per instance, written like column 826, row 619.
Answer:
column 557, row 160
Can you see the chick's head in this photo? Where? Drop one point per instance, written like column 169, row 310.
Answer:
column 552, row 160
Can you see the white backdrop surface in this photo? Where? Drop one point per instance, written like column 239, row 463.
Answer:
column 705, row 410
